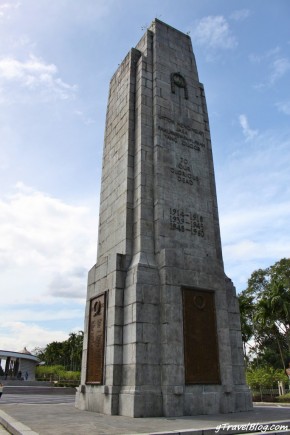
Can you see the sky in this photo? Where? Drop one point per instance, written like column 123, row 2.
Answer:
column 56, row 61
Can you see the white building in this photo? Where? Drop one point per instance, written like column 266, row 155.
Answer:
column 18, row 365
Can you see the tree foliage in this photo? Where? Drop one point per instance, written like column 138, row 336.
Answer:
column 265, row 377
column 56, row 373
column 67, row 353
column 265, row 315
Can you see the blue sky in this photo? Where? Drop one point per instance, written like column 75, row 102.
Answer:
column 56, row 61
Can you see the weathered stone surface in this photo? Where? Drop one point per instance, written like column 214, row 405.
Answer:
column 158, row 235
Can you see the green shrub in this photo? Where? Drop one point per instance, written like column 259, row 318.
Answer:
column 56, row 373
column 284, row 398
column 264, row 377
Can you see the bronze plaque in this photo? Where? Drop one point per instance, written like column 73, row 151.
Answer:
column 201, row 358
column 96, row 340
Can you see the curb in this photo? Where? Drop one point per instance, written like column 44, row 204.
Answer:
column 14, row 426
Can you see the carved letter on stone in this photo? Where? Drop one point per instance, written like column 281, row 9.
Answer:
column 178, row 80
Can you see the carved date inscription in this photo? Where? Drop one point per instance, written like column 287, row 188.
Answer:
column 96, row 340
column 183, row 221
column 201, row 359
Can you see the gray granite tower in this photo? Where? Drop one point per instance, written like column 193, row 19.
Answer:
column 162, row 329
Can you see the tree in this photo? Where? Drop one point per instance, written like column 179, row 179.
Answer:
column 75, row 348
column 265, row 313
column 246, row 311
column 67, row 353
column 264, row 377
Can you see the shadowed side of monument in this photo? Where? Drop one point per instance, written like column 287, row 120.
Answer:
column 162, row 328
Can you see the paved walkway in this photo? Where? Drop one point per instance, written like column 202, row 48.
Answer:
column 3, row 431
column 65, row 419
column 36, row 398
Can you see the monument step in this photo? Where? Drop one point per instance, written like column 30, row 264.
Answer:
column 29, row 389
column 12, row 382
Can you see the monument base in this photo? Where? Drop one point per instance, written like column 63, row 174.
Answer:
column 195, row 400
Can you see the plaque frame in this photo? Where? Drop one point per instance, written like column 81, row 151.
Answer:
column 200, row 298
column 98, row 307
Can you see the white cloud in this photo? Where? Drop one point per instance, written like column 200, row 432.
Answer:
column 15, row 335
column 254, row 237
column 26, row 72
column 43, row 313
column 262, row 218
column 69, row 285
column 46, row 246
column 279, row 68
column 213, row 32
column 6, row 7
column 247, row 131
column 254, row 205
column 86, row 120
column 284, row 107
column 257, row 58
column 240, row 14
column 21, row 79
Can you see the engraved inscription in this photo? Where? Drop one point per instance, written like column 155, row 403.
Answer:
column 96, row 340
column 177, row 219
column 181, row 220
column 183, row 139
column 183, row 134
column 201, row 359
column 183, row 172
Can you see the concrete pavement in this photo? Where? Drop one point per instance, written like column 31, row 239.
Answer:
column 3, row 431
column 65, row 419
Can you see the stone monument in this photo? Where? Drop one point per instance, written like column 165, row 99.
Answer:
column 162, row 328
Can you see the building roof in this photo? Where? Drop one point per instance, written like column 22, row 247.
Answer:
column 20, row 355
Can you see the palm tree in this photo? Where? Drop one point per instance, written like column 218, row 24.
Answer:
column 268, row 318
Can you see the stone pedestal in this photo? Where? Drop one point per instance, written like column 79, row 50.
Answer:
column 162, row 329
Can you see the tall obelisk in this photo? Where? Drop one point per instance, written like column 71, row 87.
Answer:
column 162, row 328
